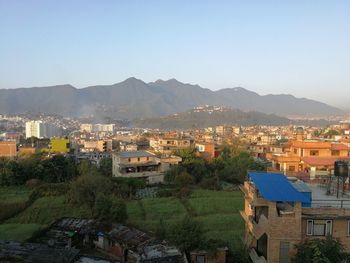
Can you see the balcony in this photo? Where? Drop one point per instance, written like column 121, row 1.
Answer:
column 256, row 228
column 261, row 227
column 255, row 257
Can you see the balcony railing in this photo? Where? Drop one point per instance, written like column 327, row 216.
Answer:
column 333, row 203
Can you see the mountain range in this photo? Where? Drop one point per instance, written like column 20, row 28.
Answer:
column 134, row 98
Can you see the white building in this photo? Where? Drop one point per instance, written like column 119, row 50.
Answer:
column 41, row 130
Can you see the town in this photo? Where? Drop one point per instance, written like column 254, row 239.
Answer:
column 174, row 131
column 217, row 194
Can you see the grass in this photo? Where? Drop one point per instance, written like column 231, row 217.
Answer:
column 218, row 211
column 47, row 210
column 19, row 232
column 14, row 194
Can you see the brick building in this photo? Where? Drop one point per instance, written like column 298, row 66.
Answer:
column 8, row 149
column 280, row 212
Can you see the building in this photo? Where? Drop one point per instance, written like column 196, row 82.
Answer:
column 280, row 212
column 206, row 150
column 41, row 130
column 142, row 164
column 169, row 145
column 223, row 130
column 59, row 146
column 89, row 128
column 8, row 149
column 104, row 128
column 95, row 146
column 311, row 157
column 86, row 127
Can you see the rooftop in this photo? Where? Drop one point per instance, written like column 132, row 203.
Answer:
column 132, row 154
column 320, row 198
column 276, row 187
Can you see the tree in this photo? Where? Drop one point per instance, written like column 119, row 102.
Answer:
column 187, row 235
column 184, row 179
column 105, row 167
column 110, row 209
column 85, row 190
column 317, row 250
column 102, row 206
column 236, row 168
column 118, row 212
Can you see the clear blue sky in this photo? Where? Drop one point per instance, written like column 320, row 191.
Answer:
column 293, row 46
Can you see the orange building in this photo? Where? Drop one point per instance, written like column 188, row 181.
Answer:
column 8, row 149
column 206, row 150
column 310, row 157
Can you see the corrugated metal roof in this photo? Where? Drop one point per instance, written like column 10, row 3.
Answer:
column 276, row 187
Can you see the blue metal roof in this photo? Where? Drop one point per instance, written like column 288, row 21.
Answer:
column 276, row 187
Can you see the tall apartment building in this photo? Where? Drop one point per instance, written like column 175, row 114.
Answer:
column 41, row 130
column 280, row 212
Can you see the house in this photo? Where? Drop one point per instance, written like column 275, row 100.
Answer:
column 202, row 256
column 133, row 245
column 280, row 212
column 206, row 150
column 8, row 149
column 142, row 164
column 314, row 158
column 169, row 145
column 13, row 251
column 58, row 145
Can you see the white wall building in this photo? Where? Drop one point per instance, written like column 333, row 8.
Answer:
column 41, row 130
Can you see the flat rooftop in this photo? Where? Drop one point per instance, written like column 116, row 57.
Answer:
column 320, row 198
column 132, row 154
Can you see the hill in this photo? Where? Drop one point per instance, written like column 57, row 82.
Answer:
column 134, row 98
column 208, row 116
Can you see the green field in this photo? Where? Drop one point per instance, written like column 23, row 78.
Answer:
column 218, row 211
column 18, row 232
column 47, row 210
column 38, row 215
column 14, row 194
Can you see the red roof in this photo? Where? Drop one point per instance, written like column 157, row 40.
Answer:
column 318, row 161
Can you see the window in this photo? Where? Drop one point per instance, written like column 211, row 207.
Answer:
column 138, row 159
column 313, row 153
column 129, row 160
column 335, row 152
column 284, row 251
column 147, row 158
column 295, row 151
column 348, row 227
column 318, row 227
column 291, row 168
column 200, row 259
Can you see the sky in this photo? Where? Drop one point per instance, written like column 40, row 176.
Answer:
column 271, row 47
